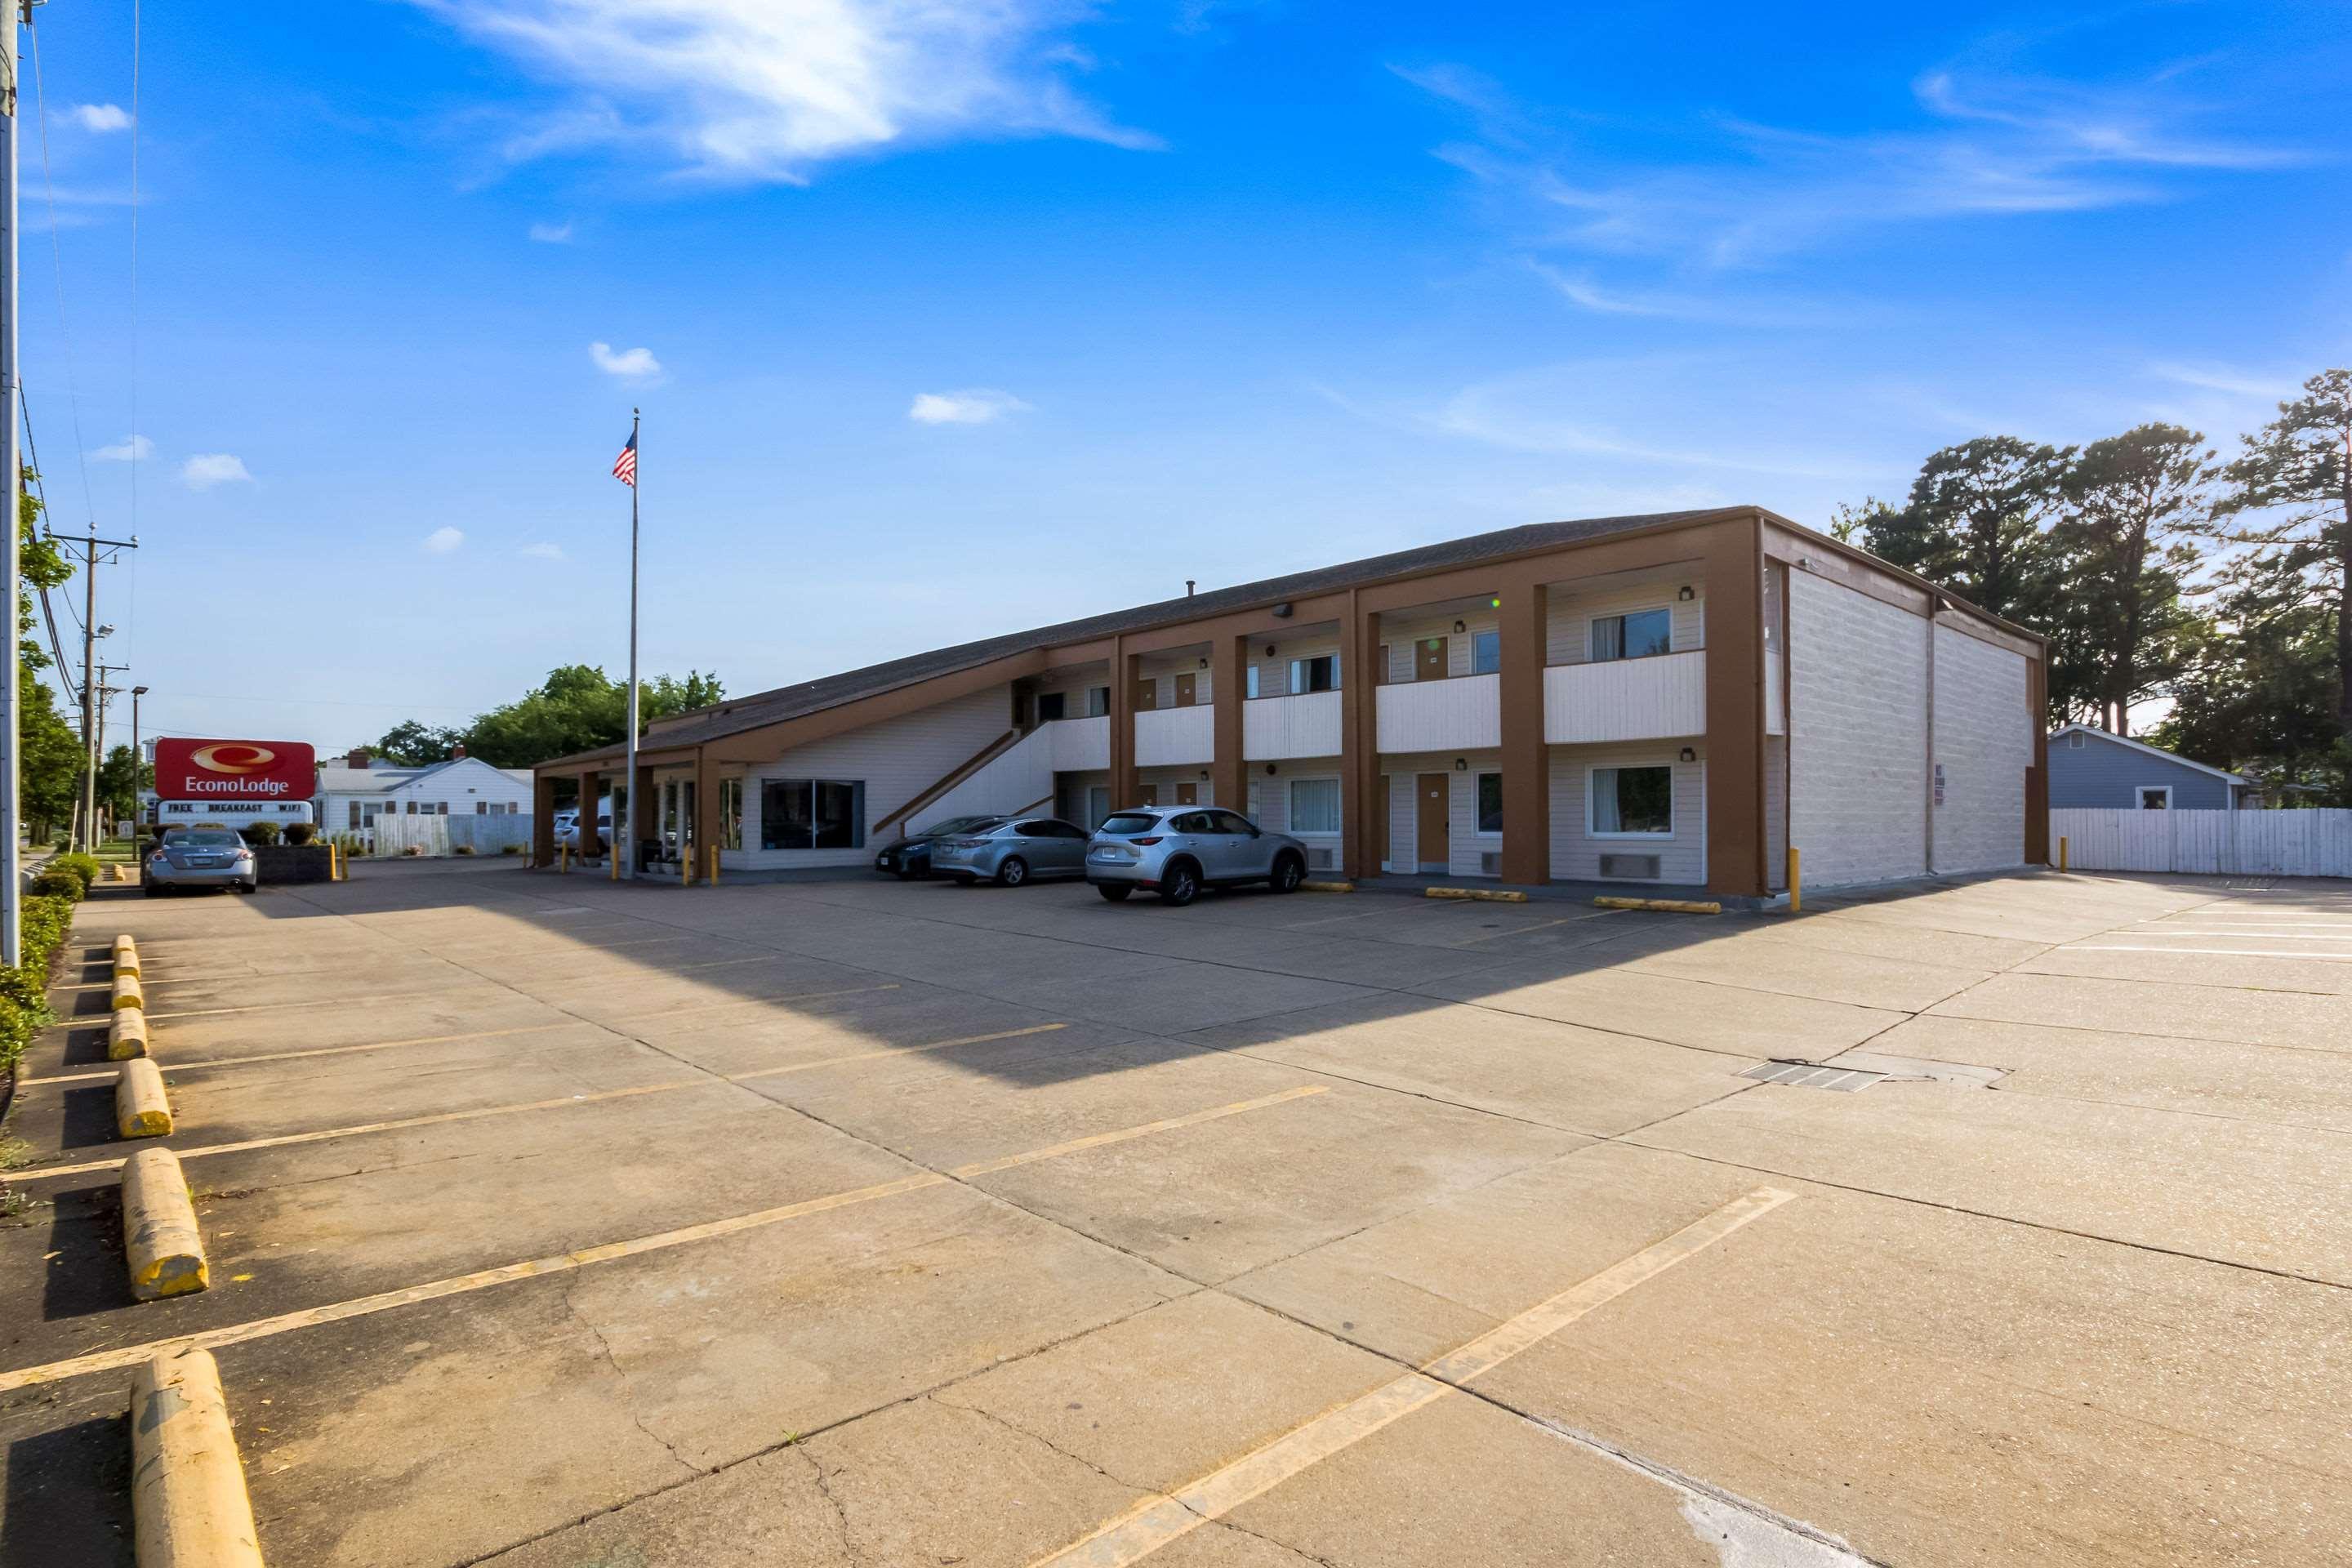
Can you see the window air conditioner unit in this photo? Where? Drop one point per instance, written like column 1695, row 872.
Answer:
column 1322, row 859
column 1642, row 867
column 1490, row 863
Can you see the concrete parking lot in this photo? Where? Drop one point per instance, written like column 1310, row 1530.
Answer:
column 556, row 1223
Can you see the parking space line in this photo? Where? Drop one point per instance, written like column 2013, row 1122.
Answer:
column 2214, row 952
column 563, row 1262
column 1158, row 1520
column 2341, row 933
column 177, row 1067
column 749, row 1002
column 1539, row 925
column 893, row 1051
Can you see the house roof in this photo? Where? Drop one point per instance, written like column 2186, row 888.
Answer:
column 2115, row 739
column 736, row 715
column 337, row 779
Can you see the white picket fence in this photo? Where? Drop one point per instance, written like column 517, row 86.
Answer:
column 437, row 835
column 2223, row 843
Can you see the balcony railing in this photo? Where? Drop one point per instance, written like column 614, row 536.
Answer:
column 1308, row 725
column 1168, row 735
column 1626, row 700
column 1079, row 745
column 1442, row 715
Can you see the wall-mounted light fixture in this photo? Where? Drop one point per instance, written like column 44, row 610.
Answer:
column 1204, row 664
column 1690, row 754
column 1458, row 629
column 1282, row 611
column 1687, row 594
column 1461, row 765
column 1204, row 772
column 1269, row 770
column 1269, row 650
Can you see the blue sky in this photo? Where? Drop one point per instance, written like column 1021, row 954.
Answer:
column 949, row 319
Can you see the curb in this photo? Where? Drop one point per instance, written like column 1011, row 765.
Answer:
column 1327, row 886
column 141, row 1108
column 1669, row 906
column 160, row 1239
column 127, row 1037
column 1480, row 895
column 188, row 1502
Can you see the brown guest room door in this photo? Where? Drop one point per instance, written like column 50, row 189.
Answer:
column 1431, row 849
column 1429, row 659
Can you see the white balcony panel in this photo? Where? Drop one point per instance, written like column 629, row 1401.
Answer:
column 1080, row 745
column 1174, row 735
column 1274, row 728
column 1626, row 700
column 1442, row 715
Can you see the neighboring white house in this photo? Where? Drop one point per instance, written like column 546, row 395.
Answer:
column 353, row 792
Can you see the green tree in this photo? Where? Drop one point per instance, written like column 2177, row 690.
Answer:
column 2257, row 695
column 120, row 779
column 2289, row 501
column 412, row 746
column 578, row 708
column 1974, row 522
column 50, row 755
column 2119, row 558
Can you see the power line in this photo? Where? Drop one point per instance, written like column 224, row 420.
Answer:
column 58, row 266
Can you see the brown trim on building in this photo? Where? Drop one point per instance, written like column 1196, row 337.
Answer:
column 706, row 814
column 1733, row 611
column 1228, row 770
column 1248, row 625
column 1123, row 665
column 543, row 819
column 1968, row 626
column 1363, row 785
column 1527, row 758
column 2037, row 773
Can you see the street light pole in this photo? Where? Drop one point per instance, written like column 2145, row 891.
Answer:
column 12, row 887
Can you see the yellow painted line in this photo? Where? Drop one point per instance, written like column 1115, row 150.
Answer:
column 752, row 1002
column 562, row 1262
column 325, row 1134
column 2214, row 952
column 1156, row 1522
column 179, row 1068
column 893, row 1051
column 320, row 1002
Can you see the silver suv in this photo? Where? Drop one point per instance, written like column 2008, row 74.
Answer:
column 1177, row 850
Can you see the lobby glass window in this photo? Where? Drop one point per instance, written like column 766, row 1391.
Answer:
column 811, row 814
column 731, row 813
column 1637, row 634
column 1633, row 802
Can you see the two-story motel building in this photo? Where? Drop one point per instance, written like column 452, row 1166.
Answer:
column 1665, row 699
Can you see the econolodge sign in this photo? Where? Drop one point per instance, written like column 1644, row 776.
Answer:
column 234, row 770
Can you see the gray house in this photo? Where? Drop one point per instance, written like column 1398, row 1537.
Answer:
column 2090, row 768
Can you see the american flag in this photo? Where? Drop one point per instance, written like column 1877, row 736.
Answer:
column 624, row 467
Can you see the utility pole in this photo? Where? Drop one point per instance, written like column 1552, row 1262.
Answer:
column 137, row 765
column 12, row 421
column 98, row 751
column 95, row 552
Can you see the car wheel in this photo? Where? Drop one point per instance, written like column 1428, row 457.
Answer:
column 1288, row 874
column 1114, row 892
column 1180, row 884
column 1012, row 873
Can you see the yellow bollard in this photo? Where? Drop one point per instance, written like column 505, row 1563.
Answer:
column 562, row 860
column 685, row 867
column 612, row 862
column 2062, row 852
column 1796, row 884
column 710, row 871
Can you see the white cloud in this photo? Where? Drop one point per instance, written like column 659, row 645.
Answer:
column 973, row 405
column 442, row 539
column 129, row 449
column 205, row 469
column 751, row 90
column 552, row 233
column 101, row 117
column 544, row 550
column 631, row 364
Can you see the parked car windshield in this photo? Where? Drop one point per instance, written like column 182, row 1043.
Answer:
column 960, row 824
column 207, row 837
column 1128, row 824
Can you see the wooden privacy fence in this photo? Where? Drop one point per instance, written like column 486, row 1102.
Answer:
column 2226, row 843
column 437, row 835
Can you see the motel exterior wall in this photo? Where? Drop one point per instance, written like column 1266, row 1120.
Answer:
column 1808, row 693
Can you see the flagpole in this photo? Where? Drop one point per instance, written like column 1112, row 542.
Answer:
column 628, row 818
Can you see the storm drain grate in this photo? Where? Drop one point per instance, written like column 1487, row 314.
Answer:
column 1808, row 1075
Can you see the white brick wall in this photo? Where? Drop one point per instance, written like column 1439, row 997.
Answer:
column 1984, row 740
column 1858, row 735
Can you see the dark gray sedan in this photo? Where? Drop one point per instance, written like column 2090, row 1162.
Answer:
column 911, row 858
column 199, row 858
column 1013, row 852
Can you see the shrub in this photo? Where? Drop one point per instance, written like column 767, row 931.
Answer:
column 509, row 848
column 24, row 991
column 462, row 849
column 59, row 882
column 258, row 833
column 82, row 865
column 300, row 833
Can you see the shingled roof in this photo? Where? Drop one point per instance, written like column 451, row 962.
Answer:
column 738, row 714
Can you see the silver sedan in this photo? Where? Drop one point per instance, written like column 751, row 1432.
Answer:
column 1013, row 852
column 199, row 858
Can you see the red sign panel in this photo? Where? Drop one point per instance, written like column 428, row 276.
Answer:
column 234, row 770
